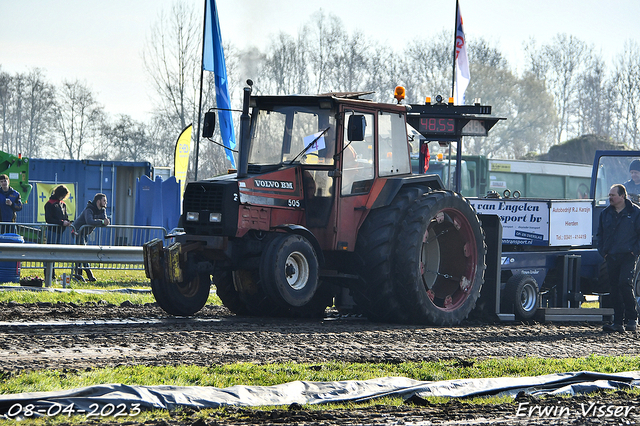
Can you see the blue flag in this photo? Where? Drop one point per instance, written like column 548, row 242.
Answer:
column 213, row 60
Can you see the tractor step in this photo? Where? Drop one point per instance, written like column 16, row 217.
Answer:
column 574, row 314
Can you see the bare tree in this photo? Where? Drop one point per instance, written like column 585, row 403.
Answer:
column 161, row 142
column 285, row 70
column 626, row 99
column 78, row 118
column 26, row 112
column 172, row 60
column 351, row 67
column 326, row 35
column 528, row 108
column 128, row 140
column 560, row 64
column 8, row 99
column 426, row 68
column 594, row 90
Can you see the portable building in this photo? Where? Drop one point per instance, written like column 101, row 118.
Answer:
column 116, row 179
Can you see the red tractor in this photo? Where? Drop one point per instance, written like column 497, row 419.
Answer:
column 324, row 209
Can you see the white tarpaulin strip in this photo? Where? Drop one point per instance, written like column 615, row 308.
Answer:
column 92, row 398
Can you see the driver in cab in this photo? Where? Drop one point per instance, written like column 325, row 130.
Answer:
column 633, row 184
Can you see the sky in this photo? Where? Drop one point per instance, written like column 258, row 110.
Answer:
column 100, row 43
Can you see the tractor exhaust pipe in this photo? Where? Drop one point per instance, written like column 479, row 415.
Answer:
column 245, row 137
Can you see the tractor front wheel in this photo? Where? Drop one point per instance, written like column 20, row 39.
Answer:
column 184, row 298
column 289, row 270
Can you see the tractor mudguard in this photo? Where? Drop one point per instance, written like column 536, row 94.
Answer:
column 392, row 187
column 301, row 230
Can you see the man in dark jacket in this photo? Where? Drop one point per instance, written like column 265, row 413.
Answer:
column 619, row 244
column 633, row 184
column 10, row 202
column 95, row 214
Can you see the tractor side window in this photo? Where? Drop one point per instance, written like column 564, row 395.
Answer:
column 267, row 134
column 357, row 161
column 393, row 148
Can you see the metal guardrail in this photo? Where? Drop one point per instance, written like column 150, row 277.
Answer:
column 112, row 235
column 123, row 235
column 51, row 253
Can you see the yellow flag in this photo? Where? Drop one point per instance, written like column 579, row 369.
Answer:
column 181, row 157
column 44, row 191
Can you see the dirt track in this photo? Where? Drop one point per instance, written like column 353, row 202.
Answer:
column 100, row 335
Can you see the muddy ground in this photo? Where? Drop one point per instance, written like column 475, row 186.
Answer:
column 67, row 336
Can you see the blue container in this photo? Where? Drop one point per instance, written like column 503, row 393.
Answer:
column 115, row 179
column 10, row 271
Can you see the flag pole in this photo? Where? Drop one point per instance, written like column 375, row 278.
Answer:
column 457, row 174
column 455, row 38
column 204, row 29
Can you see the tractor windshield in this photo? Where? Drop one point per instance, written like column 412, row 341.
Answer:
column 284, row 134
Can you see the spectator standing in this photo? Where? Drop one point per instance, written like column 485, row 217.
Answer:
column 10, row 202
column 55, row 213
column 95, row 214
column 619, row 244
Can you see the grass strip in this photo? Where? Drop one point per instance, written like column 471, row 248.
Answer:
column 105, row 280
column 114, row 298
column 267, row 375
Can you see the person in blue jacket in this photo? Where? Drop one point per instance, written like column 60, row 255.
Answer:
column 10, row 202
column 95, row 214
column 619, row 245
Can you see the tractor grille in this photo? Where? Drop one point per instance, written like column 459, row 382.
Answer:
column 198, row 197
column 211, row 197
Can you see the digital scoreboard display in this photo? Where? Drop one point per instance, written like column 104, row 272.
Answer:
column 445, row 126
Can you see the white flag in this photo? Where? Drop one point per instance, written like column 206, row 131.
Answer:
column 462, row 63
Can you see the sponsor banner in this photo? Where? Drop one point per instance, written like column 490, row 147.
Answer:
column 571, row 223
column 524, row 222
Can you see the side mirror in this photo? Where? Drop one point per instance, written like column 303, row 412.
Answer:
column 209, row 124
column 356, row 127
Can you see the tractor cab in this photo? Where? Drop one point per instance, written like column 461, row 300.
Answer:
column 314, row 161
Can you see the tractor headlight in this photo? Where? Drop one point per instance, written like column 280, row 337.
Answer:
column 193, row 216
column 215, row 217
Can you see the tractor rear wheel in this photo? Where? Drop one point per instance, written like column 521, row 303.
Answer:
column 184, row 298
column 378, row 296
column 439, row 259
column 251, row 293
column 223, row 280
